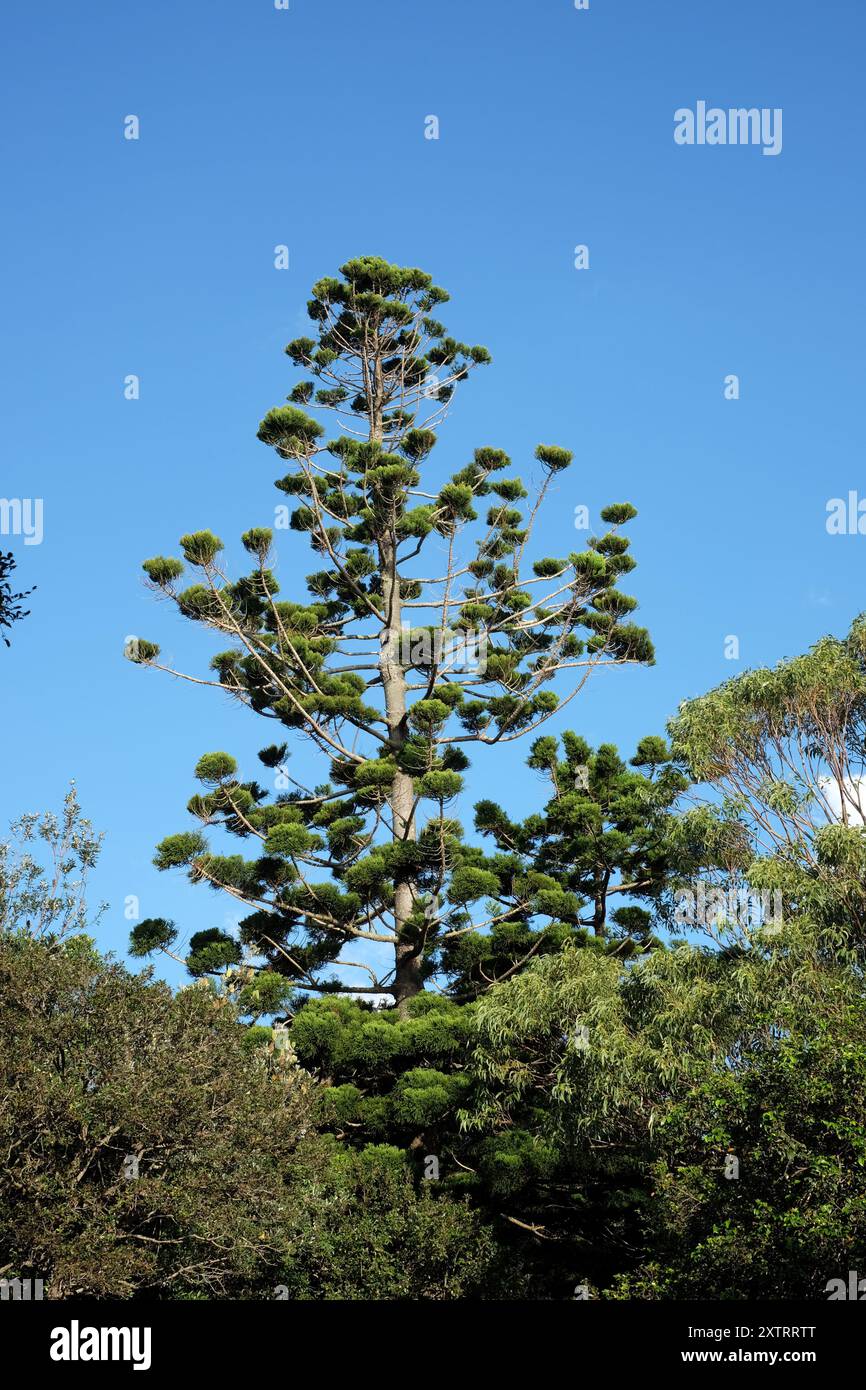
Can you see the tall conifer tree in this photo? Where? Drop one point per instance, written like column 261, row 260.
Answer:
column 391, row 666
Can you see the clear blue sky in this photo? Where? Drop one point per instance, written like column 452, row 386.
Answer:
column 306, row 127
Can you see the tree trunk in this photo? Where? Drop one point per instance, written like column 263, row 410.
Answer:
column 407, row 950
column 407, row 977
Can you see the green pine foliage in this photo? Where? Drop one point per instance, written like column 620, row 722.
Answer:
column 590, row 869
column 393, row 663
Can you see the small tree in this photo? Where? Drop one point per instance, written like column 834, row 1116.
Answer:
column 44, row 866
column 572, row 871
column 389, row 667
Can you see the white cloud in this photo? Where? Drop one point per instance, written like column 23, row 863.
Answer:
column 855, row 798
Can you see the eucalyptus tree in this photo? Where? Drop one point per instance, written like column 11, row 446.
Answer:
column 45, row 862
column 689, row 1125
column 781, row 754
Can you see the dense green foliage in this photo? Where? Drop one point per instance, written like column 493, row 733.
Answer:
column 158, row 1149
column 695, row 1123
column 581, row 1108
column 618, row 1049
column 105, row 1075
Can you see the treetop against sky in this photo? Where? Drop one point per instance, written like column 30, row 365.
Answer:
column 354, row 857
column 682, row 371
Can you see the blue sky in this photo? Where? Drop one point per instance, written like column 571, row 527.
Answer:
column 306, row 128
